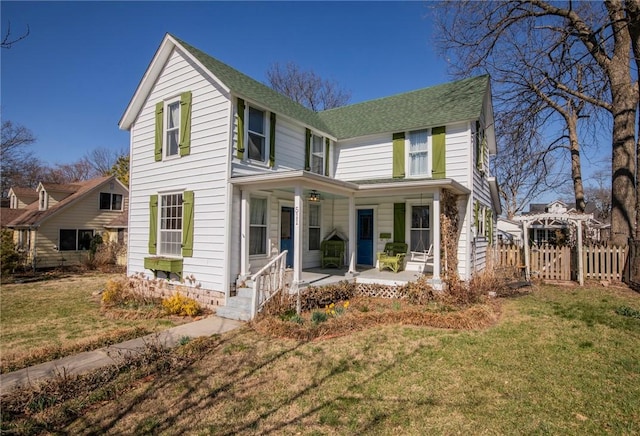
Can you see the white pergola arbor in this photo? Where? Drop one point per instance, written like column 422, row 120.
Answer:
column 549, row 221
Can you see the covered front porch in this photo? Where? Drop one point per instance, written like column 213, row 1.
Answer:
column 277, row 207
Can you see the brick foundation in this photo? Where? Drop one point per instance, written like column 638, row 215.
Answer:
column 162, row 289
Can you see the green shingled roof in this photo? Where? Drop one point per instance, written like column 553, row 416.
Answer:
column 428, row 107
column 246, row 87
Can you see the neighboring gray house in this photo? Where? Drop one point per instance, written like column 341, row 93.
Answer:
column 225, row 172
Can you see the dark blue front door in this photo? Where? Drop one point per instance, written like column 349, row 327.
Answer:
column 365, row 237
column 286, row 233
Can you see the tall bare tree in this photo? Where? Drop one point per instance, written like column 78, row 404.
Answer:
column 18, row 161
column 8, row 40
column 605, row 33
column 102, row 159
column 306, row 87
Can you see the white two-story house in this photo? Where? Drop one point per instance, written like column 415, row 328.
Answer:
column 226, row 172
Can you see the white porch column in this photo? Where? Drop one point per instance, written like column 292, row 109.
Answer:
column 244, row 233
column 297, row 235
column 352, row 235
column 436, row 235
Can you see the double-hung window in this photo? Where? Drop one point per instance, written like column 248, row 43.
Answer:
column 109, row 201
column 317, row 155
column 420, row 228
column 257, row 134
column 314, row 227
column 258, row 227
column 172, row 130
column 170, row 225
column 419, row 153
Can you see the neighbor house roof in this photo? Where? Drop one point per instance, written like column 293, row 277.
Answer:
column 7, row 215
column 34, row 217
column 24, row 194
column 428, row 107
column 120, row 222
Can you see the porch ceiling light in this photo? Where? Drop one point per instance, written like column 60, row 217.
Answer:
column 314, row 196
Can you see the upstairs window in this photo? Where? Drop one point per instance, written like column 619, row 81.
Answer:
column 172, row 131
column 317, row 154
column 257, row 134
column 43, row 200
column 109, row 201
column 419, row 153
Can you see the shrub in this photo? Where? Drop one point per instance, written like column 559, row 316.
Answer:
column 418, row 292
column 181, row 305
column 115, row 293
column 315, row 297
column 9, row 255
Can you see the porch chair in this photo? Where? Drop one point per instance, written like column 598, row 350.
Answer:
column 425, row 256
column 332, row 253
column 393, row 256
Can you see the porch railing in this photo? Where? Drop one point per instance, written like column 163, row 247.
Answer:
column 267, row 282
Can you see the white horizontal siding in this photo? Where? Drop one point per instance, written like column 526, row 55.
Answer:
column 364, row 158
column 290, row 144
column 203, row 171
column 457, row 144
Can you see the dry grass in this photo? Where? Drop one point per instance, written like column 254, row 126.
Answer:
column 556, row 362
column 49, row 319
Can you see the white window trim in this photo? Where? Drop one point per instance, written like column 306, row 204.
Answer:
column 267, row 134
column 318, row 155
column 165, row 124
column 267, row 226
column 319, row 226
column 407, row 160
column 407, row 217
column 159, row 224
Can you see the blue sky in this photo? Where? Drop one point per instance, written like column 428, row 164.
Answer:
column 71, row 79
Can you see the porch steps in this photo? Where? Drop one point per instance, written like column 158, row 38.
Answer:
column 238, row 307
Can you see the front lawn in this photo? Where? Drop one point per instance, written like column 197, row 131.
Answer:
column 51, row 318
column 558, row 361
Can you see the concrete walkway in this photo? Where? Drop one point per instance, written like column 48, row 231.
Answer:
column 91, row 360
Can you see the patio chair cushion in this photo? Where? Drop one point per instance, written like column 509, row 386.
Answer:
column 393, row 256
column 332, row 253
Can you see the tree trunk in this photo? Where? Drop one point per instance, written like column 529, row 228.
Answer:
column 574, row 147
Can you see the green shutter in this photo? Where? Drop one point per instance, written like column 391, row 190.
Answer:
column 272, row 140
column 327, row 144
column 153, row 223
column 439, row 152
column 476, row 215
column 489, row 225
column 185, row 123
column 398, row 222
column 159, row 132
column 307, row 150
column 398, row 155
column 240, row 132
column 187, row 223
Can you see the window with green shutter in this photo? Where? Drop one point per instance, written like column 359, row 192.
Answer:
column 327, row 150
column 272, row 140
column 173, row 127
column 187, row 223
column 307, row 150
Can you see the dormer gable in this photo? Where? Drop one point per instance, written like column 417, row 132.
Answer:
column 50, row 194
column 19, row 198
